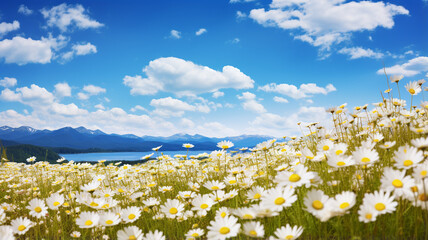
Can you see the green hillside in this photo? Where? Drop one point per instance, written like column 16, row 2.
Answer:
column 20, row 153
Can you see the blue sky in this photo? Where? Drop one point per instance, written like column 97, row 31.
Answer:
column 217, row 68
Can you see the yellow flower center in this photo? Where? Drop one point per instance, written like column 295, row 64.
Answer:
column 412, row 91
column 247, row 216
column 195, row 235
column 344, row 205
column 369, row 216
column 289, row 237
column 38, row 209
column 326, row 148
column 88, row 222
column 204, row 206
column 423, row 197
column 341, row 163
column 279, row 201
column 94, row 204
column 424, row 173
column 232, row 181
column 132, row 237
column 379, row 206
column 338, row 152
column 21, row 228
column 253, row 233
column 224, row 230
column 214, row 188
column 131, row 216
column 397, row 183
column 294, row 177
column 223, row 214
column 317, row 204
column 109, row 222
column 173, row 210
column 257, row 196
column 56, row 204
column 365, row 159
column 407, row 163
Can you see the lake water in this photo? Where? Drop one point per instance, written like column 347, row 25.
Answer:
column 93, row 157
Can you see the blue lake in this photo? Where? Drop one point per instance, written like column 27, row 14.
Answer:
column 78, row 157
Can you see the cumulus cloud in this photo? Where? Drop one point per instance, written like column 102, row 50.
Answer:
column 240, row 15
column 304, row 91
column 280, row 99
column 8, row 27
column 183, row 77
column 138, row 108
column 66, row 16
column 327, row 22
column 34, row 96
column 79, row 50
column 250, row 103
column 410, row 68
column 171, row 107
column 90, row 90
column 8, row 82
column 62, row 90
column 175, row 34
column 200, row 31
column 359, row 52
column 218, row 94
column 24, row 10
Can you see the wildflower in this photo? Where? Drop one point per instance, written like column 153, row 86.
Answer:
column 222, row 228
column 131, row 232
column 339, row 161
column 367, row 214
column 318, row 204
column 192, row 234
column 109, row 218
column 6, row 233
column 296, row 178
column 91, row 186
column 156, row 235
column 172, row 208
column 37, row 208
column 55, row 201
column 407, row 157
column 225, row 145
column 396, row 78
column 365, row 156
column 21, row 225
column 278, row 198
column 397, row 182
column 381, row 201
column 387, row 145
column 31, row 159
column 202, row 203
column 188, row 145
column 288, row 232
column 87, row 220
column 253, row 229
column 75, row 234
column 420, row 142
column 130, row 214
column 420, row 172
column 222, row 212
column 156, row 148
column 256, row 193
column 344, row 201
column 214, row 185
column 413, row 88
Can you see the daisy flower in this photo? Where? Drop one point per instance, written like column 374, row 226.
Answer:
column 288, row 232
column 55, row 201
column 192, row 234
column 295, row 178
column 245, row 213
column 339, row 149
column 130, row 214
column 253, row 229
column 255, row 193
column 387, row 145
column 318, row 204
column 172, row 208
column 225, row 144
column 421, row 197
column 31, row 159
column 344, row 201
column 278, row 198
column 214, row 185
column 109, row 218
column 37, row 208
column 222, row 212
column 188, row 145
column 420, row 172
column 202, row 203
column 91, row 186
column 397, row 182
column 364, row 156
column 325, row 145
column 413, row 87
column 339, row 161
column 131, row 232
column 87, row 219
column 420, row 142
column 367, row 214
column 381, row 201
column 156, row 235
column 222, row 228
column 21, row 225
column 407, row 157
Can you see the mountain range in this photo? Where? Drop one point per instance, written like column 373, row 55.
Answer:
column 81, row 139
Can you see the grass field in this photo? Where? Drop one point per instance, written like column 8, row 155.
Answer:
column 365, row 178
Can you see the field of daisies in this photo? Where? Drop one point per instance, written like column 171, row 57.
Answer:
column 364, row 177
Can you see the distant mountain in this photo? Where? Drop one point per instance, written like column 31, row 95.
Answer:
column 81, row 138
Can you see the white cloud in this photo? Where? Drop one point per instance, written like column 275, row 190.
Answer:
column 327, row 22
column 138, row 108
column 67, row 110
column 218, row 94
column 79, row 49
column 24, row 10
column 240, row 15
column 66, row 16
column 250, row 103
column 183, row 77
column 240, row 1
column 304, row 91
column 99, row 106
column 235, row 40
column 168, row 107
column 62, row 90
column 410, row 68
column 8, row 27
column 200, row 31
column 93, row 90
column 82, row 96
column 359, row 52
column 21, row 50
column 280, row 99
column 8, row 82
column 34, row 96
column 175, row 34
